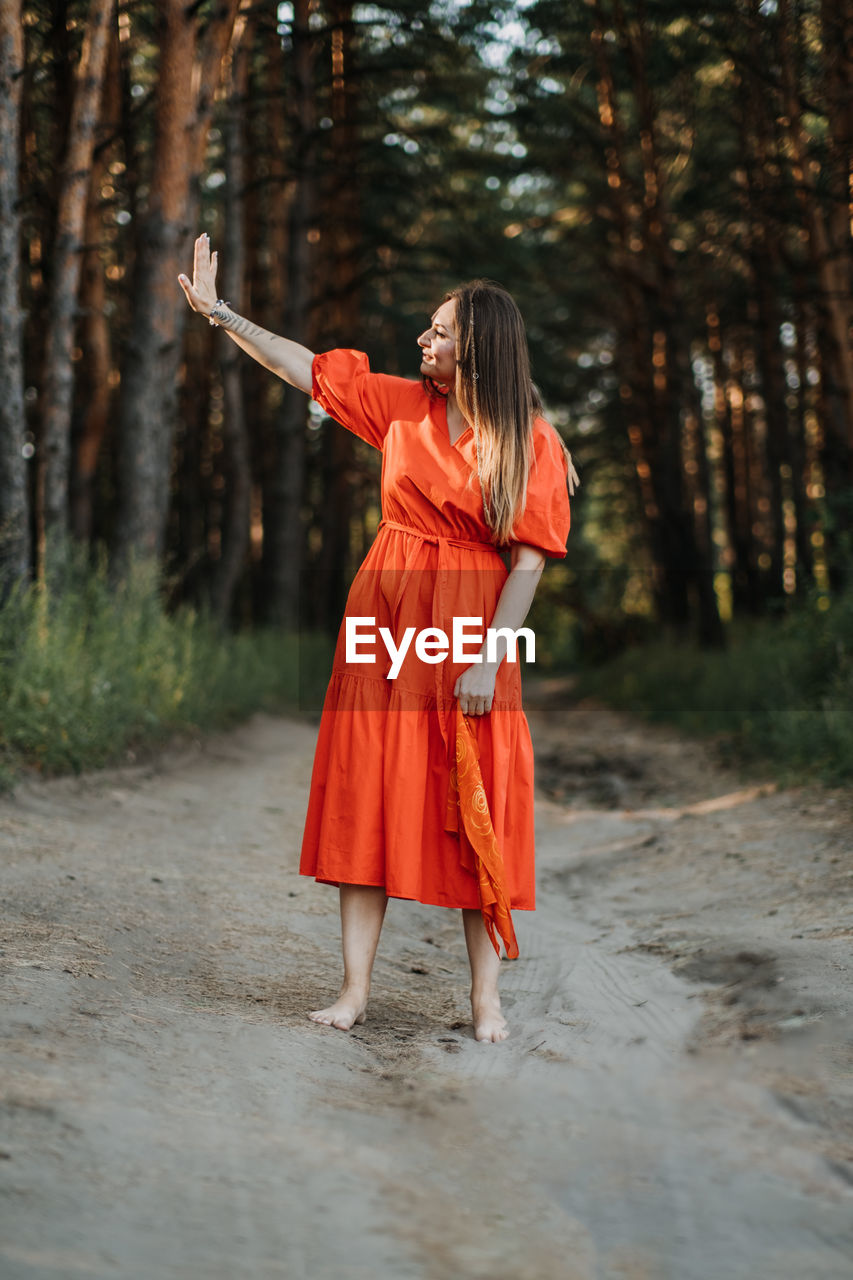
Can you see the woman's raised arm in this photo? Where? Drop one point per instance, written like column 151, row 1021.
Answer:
column 286, row 359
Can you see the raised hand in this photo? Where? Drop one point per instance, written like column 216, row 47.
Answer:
column 201, row 294
column 286, row 359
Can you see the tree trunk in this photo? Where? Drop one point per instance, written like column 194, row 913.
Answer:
column 803, row 448
column 765, row 256
column 95, row 376
column 836, row 18
column 14, row 505
column 95, row 335
column 58, row 383
column 676, row 394
column 235, row 533
column 669, row 594
column 737, row 497
column 284, row 536
column 829, row 252
column 189, row 73
column 682, row 534
column 341, row 264
column 773, row 384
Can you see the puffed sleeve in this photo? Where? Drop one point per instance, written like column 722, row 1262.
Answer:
column 359, row 400
column 545, row 521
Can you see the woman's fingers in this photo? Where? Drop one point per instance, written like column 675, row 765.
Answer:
column 474, row 706
column 472, row 703
column 189, row 291
column 194, row 298
column 202, row 292
column 201, row 261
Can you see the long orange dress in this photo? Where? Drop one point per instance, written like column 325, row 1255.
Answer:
column 378, row 804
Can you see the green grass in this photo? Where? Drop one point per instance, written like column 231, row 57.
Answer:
column 781, row 692
column 96, row 672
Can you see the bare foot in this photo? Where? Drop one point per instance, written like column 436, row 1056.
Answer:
column 489, row 1023
column 343, row 1014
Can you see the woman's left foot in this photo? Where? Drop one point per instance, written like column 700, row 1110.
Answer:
column 489, row 1023
column 347, row 1011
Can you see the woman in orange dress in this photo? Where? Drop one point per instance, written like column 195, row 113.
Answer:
column 423, row 774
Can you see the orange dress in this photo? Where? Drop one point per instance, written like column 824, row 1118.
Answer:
column 381, row 785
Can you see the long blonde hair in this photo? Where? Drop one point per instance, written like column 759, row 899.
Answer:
column 495, row 394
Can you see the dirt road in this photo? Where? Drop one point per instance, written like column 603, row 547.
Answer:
column 675, row 1101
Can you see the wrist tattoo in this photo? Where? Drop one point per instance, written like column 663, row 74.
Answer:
column 229, row 320
column 219, row 312
column 245, row 328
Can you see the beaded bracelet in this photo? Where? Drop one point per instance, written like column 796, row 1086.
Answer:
column 220, row 302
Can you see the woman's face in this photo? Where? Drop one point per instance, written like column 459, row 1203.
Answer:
column 438, row 345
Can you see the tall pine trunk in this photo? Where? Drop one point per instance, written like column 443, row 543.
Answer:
column 737, row 497
column 189, row 72
column 58, row 383
column 235, row 531
column 14, row 505
column 341, row 266
column 679, row 534
column 284, row 536
column 830, row 258
column 95, row 377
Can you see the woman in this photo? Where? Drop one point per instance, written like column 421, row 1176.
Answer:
column 423, row 775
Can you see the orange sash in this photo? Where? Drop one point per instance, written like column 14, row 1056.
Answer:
column 468, row 817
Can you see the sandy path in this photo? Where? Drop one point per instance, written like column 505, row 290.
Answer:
column 675, row 1103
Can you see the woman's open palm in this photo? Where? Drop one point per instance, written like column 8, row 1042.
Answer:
column 201, row 294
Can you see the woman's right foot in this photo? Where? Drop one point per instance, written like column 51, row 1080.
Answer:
column 489, row 1023
column 343, row 1014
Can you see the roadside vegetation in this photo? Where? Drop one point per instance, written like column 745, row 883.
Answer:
column 98, row 673
column 781, row 691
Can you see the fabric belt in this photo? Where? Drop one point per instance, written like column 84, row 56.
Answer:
column 440, row 608
column 467, row 811
column 437, row 539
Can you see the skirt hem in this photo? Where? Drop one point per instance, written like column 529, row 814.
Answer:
column 411, row 897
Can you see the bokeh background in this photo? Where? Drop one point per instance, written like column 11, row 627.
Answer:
column 667, row 190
